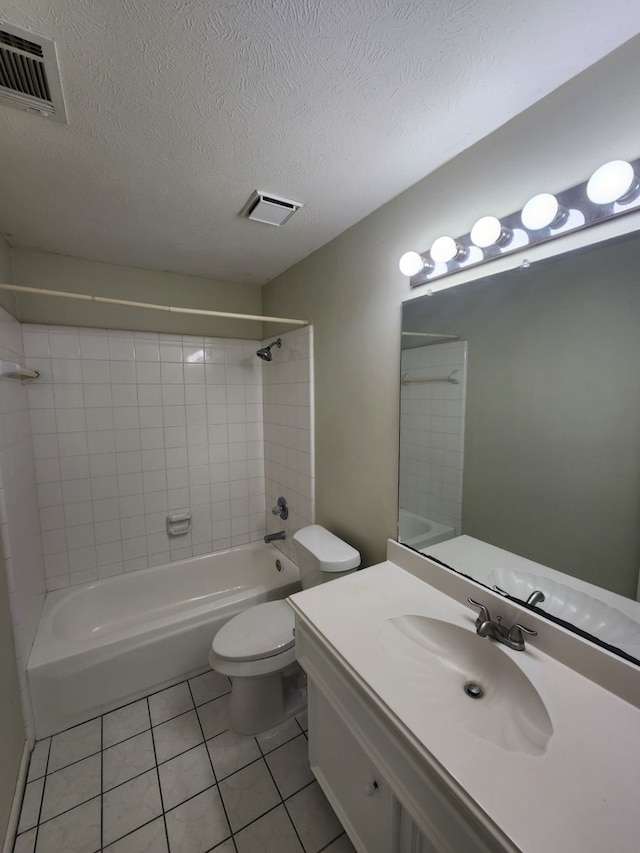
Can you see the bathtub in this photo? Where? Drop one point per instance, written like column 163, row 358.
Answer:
column 419, row 532
column 100, row 645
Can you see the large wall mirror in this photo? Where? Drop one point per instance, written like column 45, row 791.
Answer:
column 520, row 428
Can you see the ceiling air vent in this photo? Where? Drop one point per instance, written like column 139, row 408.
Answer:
column 272, row 209
column 29, row 75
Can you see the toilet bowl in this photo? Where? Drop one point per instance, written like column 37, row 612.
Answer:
column 257, row 648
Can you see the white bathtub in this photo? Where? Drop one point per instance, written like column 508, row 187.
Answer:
column 419, row 532
column 100, row 645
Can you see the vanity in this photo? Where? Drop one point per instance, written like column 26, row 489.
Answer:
column 427, row 737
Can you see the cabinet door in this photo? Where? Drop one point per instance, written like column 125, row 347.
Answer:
column 357, row 792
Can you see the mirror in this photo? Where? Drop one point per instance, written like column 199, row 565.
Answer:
column 526, row 435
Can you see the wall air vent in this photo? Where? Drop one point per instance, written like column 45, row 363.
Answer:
column 269, row 208
column 29, row 75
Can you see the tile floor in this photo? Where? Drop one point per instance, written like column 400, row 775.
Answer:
column 165, row 774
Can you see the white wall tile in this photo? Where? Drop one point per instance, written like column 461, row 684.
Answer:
column 19, row 506
column 432, row 434
column 143, row 425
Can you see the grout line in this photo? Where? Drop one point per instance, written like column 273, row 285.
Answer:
column 213, row 770
column 155, row 755
column 101, row 785
column 71, row 763
column 66, row 811
column 282, row 801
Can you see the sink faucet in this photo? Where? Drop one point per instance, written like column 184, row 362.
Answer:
column 511, row 637
column 536, row 597
column 271, row 537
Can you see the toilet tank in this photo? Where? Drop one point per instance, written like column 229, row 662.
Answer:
column 322, row 556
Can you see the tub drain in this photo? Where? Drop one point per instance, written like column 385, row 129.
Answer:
column 473, row 690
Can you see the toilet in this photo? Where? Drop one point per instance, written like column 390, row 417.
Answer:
column 257, row 648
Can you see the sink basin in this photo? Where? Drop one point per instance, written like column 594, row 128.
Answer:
column 470, row 679
column 600, row 619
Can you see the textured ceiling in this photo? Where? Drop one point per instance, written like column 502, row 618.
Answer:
column 178, row 109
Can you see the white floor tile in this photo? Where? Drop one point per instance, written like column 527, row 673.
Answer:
column 248, row 794
column 170, row 703
column 185, row 776
column 151, row 838
column 125, row 722
column 289, row 765
column 39, row 759
column 129, row 806
column 71, row 786
column 273, row 833
column 25, row 842
column 127, row 759
column 209, row 686
column 112, row 801
column 214, row 716
column 226, row 847
column 313, row 818
column 31, row 805
column 74, row 744
column 230, row 752
column 277, row 736
column 75, row 831
column 340, row 845
column 198, row 824
column 177, row 735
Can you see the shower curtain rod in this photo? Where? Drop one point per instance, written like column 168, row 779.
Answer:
column 452, row 379
column 38, row 291
column 430, row 335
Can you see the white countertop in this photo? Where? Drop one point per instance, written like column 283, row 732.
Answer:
column 582, row 794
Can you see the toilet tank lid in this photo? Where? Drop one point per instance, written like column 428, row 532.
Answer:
column 333, row 553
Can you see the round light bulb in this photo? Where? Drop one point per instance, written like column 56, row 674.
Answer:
column 542, row 211
column 411, row 263
column 488, row 231
column 612, row 182
column 445, row 249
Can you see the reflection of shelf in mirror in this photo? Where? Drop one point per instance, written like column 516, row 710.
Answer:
column 13, row 370
column 451, row 378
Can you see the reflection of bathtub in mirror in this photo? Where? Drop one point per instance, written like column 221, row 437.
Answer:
column 418, row 532
column 609, row 617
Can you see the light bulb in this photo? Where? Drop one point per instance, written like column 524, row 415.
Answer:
column 411, row 263
column 542, row 211
column 445, row 249
column 612, row 182
column 488, row 231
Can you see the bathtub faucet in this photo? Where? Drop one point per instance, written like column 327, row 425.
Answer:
column 270, row 537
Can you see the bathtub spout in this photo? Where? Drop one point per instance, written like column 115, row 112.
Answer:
column 270, row 537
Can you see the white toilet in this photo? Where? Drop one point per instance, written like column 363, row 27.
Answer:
column 256, row 648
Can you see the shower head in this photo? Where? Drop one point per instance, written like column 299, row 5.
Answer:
column 265, row 352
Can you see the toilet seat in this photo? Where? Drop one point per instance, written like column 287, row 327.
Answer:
column 259, row 632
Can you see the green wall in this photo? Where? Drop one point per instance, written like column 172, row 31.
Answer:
column 351, row 289
column 59, row 272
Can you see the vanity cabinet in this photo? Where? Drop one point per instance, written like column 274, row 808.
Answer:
column 387, row 797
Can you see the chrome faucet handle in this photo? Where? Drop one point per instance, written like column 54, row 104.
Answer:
column 484, row 615
column 281, row 509
column 517, row 630
column 501, row 591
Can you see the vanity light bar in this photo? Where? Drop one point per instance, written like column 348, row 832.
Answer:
column 612, row 190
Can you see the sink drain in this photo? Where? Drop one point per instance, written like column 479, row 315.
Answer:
column 473, row 690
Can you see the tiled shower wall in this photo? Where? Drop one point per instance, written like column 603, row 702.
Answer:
column 129, row 426
column 19, row 507
column 432, row 418
column 288, row 434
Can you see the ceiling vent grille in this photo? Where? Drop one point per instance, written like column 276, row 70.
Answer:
column 269, row 208
column 29, row 75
